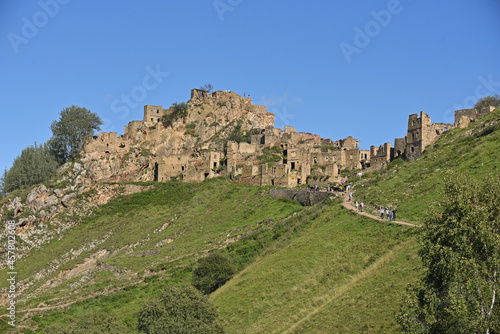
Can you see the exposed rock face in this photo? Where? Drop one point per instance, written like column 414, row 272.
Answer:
column 305, row 198
column 36, row 213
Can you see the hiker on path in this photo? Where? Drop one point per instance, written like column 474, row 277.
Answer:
column 394, row 214
column 390, row 215
column 381, row 213
column 362, row 206
column 387, row 213
column 356, row 205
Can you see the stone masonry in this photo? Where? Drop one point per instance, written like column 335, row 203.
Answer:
column 200, row 145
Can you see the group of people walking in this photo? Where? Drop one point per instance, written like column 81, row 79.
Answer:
column 389, row 214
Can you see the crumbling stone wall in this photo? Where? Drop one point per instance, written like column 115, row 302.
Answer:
column 153, row 114
column 383, row 155
column 464, row 117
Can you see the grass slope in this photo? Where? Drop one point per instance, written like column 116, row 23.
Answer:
column 413, row 186
column 196, row 218
column 320, row 269
column 340, row 254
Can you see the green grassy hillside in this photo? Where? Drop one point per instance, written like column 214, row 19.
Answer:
column 135, row 245
column 412, row 186
column 340, row 275
column 321, row 269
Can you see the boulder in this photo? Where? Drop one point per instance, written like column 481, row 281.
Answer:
column 68, row 199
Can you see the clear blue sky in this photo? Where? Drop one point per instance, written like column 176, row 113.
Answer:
column 336, row 68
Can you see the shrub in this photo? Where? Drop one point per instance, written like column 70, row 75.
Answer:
column 490, row 100
column 213, row 272
column 179, row 309
column 179, row 110
column 34, row 165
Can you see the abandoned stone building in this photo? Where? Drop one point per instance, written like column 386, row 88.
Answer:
column 466, row 116
column 198, row 145
column 421, row 132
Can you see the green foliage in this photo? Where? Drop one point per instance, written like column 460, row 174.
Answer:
column 461, row 250
column 179, row 110
column 241, row 136
column 74, row 127
column 34, row 165
column 179, row 309
column 490, row 100
column 213, row 272
column 271, row 155
column 92, row 323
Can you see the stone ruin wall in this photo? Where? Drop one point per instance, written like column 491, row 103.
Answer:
column 464, row 117
column 303, row 153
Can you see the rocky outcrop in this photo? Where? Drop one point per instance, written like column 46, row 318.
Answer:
column 305, row 198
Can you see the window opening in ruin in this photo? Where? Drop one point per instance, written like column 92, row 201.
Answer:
column 272, row 182
column 182, row 168
column 206, row 175
column 156, row 172
column 215, row 165
column 179, row 159
column 298, row 181
column 315, row 160
column 151, row 119
column 157, row 111
column 292, row 165
column 412, row 149
column 158, row 120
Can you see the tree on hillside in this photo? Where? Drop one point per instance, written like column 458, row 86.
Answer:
column 178, row 110
column 213, row 272
column 74, row 127
column 208, row 87
column 178, row 309
column 460, row 249
column 490, row 100
column 35, row 164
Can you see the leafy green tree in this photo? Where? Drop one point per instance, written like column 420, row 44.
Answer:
column 74, row 127
column 34, row 165
column 490, row 100
column 213, row 272
column 179, row 309
column 176, row 111
column 460, row 251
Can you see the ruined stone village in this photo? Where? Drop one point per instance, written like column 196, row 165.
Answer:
column 198, row 145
